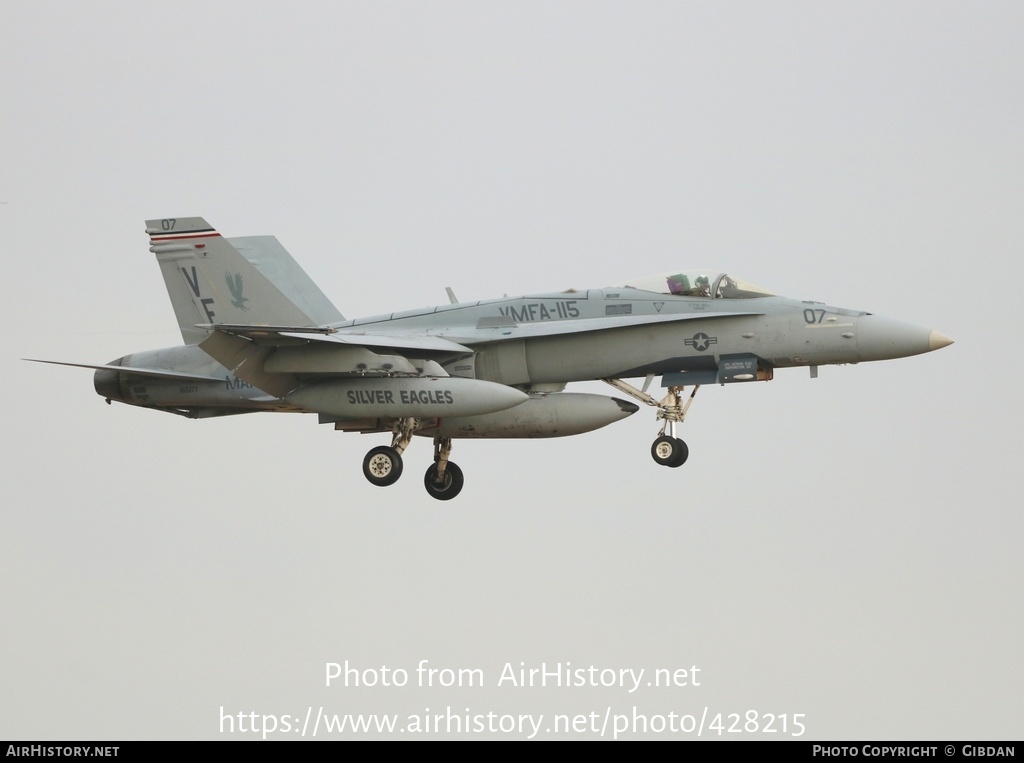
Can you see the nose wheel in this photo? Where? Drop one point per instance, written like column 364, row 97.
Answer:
column 669, row 451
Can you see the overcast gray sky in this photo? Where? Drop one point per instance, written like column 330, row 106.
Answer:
column 846, row 548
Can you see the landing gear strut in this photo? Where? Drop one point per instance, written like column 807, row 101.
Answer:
column 667, row 450
column 383, row 464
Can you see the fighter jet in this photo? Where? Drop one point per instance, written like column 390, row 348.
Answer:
column 260, row 336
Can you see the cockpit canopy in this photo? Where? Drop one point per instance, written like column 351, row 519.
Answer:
column 699, row 283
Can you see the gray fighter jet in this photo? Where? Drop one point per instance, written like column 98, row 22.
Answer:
column 260, row 336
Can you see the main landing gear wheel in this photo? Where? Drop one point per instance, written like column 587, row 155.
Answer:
column 382, row 466
column 450, row 484
column 669, row 451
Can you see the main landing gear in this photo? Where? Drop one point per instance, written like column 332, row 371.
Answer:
column 383, row 465
column 667, row 450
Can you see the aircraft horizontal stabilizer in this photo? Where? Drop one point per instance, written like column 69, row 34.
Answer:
column 153, row 372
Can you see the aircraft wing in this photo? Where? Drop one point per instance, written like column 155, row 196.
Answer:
column 409, row 343
column 403, row 343
column 452, row 340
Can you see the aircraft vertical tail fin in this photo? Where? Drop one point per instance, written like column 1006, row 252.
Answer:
column 249, row 281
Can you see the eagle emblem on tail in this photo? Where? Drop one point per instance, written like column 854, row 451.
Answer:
column 235, row 287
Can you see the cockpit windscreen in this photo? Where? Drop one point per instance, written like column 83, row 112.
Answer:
column 699, row 283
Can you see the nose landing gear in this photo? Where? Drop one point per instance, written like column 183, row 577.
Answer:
column 667, row 450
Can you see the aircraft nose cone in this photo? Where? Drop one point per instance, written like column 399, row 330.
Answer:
column 881, row 338
column 937, row 340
